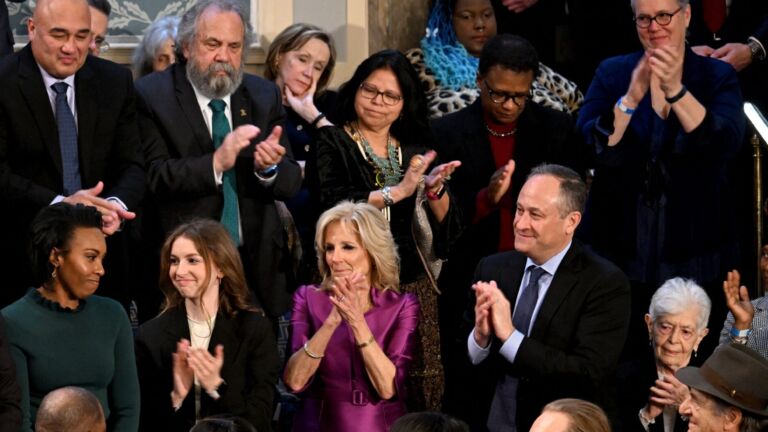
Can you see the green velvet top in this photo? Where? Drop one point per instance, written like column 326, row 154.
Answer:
column 89, row 347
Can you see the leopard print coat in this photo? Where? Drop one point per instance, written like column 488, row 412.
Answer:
column 549, row 89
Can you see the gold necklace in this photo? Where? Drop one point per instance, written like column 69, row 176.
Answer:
column 499, row 134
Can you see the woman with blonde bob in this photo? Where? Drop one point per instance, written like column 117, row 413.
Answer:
column 571, row 415
column 209, row 351
column 353, row 336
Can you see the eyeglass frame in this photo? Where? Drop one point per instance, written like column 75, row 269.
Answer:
column 384, row 94
column 656, row 18
column 103, row 46
column 507, row 96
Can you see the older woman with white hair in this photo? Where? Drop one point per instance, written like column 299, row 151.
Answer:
column 156, row 49
column 677, row 322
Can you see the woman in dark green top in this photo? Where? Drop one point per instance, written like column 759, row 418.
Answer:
column 61, row 334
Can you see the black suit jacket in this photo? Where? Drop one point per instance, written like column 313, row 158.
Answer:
column 578, row 334
column 543, row 135
column 6, row 35
column 250, row 370
column 30, row 157
column 179, row 152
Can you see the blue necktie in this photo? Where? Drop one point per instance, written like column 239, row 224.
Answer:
column 527, row 303
column 229, row 214
column 70, row 165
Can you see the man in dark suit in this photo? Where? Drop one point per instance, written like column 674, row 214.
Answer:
column 67, row 133
column 551, row 315
column 6, row 34
column 197, row 168
column 498, row 139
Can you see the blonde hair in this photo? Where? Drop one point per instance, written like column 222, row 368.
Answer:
column 582, row 416
column 367, row 222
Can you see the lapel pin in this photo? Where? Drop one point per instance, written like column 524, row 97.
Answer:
column 242, row 112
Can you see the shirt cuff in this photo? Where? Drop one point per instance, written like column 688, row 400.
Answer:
column 119, row 201
column 762, row 47
column 266, row 181
column 511, row 346
column 58, row 199
column 476, row 353
column 218, row 177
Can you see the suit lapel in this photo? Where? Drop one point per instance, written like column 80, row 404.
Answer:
column 36, row 96
column 510, row 276
column 191, row 109
column 177, row 326
column 241, row 108
column 87, row 111
column 563, row 282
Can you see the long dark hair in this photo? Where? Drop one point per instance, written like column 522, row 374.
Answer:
column 412, row 126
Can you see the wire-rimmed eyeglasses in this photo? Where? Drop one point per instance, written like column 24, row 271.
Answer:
column 370, row 91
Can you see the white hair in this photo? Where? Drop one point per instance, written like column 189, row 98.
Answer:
column 677, row 295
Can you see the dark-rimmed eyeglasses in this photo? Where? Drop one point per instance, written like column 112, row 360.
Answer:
column 501, row 98
column 662, row 19
column 370, row 91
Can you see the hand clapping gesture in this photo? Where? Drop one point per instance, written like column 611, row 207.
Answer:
column 189, row 363
column 737, row 299
column 348, row 299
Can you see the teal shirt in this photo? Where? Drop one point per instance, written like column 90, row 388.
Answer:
column 89, row 347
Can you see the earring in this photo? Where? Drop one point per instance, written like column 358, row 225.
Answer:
column 695, row 353
column 53, row 273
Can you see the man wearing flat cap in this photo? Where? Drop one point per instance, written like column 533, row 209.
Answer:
column 729, row 392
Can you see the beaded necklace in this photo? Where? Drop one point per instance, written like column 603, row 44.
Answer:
column 387, row 170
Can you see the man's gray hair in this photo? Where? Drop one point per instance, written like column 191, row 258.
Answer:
column 681, row 3
column 573, row 190
column 677, row 295
column 188, row 25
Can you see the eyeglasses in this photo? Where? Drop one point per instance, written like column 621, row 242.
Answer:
column 662, row 19
column 100, row 43
column 502, row 98
column 370, row 91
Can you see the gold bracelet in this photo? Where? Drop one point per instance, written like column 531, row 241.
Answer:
column 310, row 353
column 366, row 343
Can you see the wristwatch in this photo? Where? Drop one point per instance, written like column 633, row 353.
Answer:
column 755, row 49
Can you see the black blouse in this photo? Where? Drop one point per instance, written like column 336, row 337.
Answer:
column 345, row 174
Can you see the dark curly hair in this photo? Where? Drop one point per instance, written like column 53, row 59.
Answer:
column 53, row 227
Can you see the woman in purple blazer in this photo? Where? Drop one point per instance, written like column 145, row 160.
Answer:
column 353, row 336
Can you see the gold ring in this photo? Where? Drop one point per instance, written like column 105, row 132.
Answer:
column 417, row 162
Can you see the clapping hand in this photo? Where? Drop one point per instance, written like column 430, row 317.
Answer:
column 737, row 299
column 183, row 376
column 347, row 299
column 500, row 182
column 269, row 152
column 207, row 367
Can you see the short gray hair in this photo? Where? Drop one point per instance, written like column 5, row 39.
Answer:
column 681, row 3
column 154, row 36
column 188, row 25
column 677, row 295
column 573, row 190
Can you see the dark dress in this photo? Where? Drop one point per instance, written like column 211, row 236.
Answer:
column 634, row 380
column 305, row 206
column 345, row 174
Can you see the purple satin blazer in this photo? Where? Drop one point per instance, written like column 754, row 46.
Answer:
column 340, row 396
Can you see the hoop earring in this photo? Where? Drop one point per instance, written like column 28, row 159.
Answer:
column 53, row 273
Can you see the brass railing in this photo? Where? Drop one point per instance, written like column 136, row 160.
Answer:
column 760, row 130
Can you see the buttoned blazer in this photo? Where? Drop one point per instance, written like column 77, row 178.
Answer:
column 30, row 158
column 179, row 152
column 577, row 336
column 250, row 370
